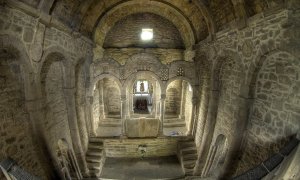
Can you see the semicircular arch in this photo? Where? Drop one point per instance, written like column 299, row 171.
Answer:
column 170, row 13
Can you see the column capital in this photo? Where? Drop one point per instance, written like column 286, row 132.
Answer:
column 123, row 98
column 163, row 97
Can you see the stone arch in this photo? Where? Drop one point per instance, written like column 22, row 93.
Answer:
column 130, row 80
column 217, row 157
column 80, row 101
column 100, row 77
column 103, row 105
column 182, row 78
column 52, row 79
column 207, row 15
column 221, row 66
column 274, row 114
column 18, row 106
column 54, row 52
column 106, row 22
column 256, row 67
column 11, row 43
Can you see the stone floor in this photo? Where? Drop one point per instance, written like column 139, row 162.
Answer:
column 140, row 169
column 116, row 131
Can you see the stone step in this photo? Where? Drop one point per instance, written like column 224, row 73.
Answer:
column 175, row 124
column 189, row 163
column 113, row 116
column 95, row 140
column 188, row 149
column 188, row 171
column 183, row 145
column 94, row 165
column 94, row 172
column 189, row 157
column 170, row 116
column 94, row 153
column 108, row 124
column 92, row 159
column 95, row 168
column 173, row 120
column 94, row 147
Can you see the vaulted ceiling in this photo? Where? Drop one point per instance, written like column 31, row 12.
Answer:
column 195, row 19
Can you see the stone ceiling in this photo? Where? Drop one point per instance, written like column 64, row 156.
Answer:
column 195, row 19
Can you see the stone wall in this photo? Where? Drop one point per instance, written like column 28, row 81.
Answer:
column 112, row 96
column 126, row 32
column 226, row 69
column 49, row 87
column 129, row 147
column 222, row 11
column 275, row 112
column 173, row 97
column 165, row 56
column 15, row 139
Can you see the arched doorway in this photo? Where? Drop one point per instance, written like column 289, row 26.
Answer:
column 178, row 108
column 107, row 107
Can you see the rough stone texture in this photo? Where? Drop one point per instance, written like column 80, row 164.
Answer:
column 33, row 3
column 112, row 96
column 81, row 74
column 276, row 109
column 142, row 127
column 56, row 119
column 238, row 56
column 166, row 56
column 173, row 97
column 15, row 139
column 246, row 73
column 222, row 12
column 44, row 86
column 126, row 33
column 129, row 147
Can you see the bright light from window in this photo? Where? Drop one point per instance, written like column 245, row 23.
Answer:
column 147, row 34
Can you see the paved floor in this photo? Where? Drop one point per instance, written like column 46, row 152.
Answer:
column 140, row 169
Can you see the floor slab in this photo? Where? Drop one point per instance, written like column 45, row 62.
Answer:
column 140, row 169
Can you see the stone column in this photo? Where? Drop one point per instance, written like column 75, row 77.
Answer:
column 36, row 112
column 74, row 130
column 162, row 113
column 130, row 105
column 208, row 133
column 153, row 99
column 123, row 114
column 90, row 117
column 193, row 115
column 183, row 99
column 241, row 121
column 101, row 100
